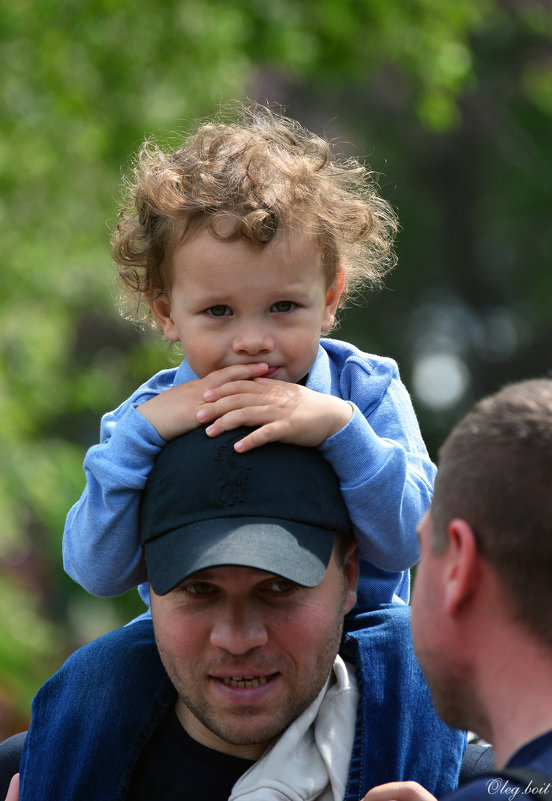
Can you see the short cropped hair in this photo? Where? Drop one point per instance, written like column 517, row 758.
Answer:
column 495, row 472
column 249, row 178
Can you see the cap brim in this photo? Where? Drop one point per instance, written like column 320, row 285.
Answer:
column 295, row 551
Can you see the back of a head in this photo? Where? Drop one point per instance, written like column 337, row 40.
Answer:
column 495, row 472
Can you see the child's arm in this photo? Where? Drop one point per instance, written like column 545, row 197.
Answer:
column 384, row 470
column 100, row 541
column 101, row 546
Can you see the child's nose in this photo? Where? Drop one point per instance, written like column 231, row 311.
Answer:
column 252, row 341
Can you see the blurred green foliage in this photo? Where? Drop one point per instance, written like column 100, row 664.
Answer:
column 453, row 100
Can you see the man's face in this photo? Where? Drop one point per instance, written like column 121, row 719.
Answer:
column 443, row 663
column 248, row 651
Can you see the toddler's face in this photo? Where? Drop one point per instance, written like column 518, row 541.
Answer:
column 232, row 302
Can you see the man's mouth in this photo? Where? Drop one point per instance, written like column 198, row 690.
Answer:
column 245, row 681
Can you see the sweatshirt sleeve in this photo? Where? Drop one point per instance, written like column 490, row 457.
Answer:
column 101, row 546
column 385, row 472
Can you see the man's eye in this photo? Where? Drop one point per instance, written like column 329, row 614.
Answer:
column 220, row 310
column 281, row 585
column 200, row 588
column 283, row 306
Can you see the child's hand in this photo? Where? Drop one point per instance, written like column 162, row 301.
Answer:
column 279, row 411
column 399, row 791
column 174, row 412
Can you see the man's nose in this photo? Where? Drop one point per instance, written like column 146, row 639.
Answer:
column 238, row 631
column 252, row 340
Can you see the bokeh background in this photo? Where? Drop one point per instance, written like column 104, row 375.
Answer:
column 450, row 102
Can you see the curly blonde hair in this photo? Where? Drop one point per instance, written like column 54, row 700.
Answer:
column 249, row 178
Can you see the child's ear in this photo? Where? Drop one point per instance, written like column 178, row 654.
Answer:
column 161, row 308
column 333, row 295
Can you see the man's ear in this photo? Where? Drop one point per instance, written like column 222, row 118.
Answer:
column 161, row 308
column 462, row 571
column 333, row 294
column 351, row 570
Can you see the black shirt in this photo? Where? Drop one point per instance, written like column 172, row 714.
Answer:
column 174, row 767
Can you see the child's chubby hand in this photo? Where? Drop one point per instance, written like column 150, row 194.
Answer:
column 278, row 410
column 399, row 791
column 174, row 412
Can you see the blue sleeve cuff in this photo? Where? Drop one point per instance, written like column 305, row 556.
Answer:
column 355, row 452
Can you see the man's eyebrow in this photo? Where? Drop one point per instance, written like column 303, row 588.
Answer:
column 211, row 574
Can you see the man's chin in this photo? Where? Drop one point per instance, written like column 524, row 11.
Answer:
column 453, row 705
column 247, row 729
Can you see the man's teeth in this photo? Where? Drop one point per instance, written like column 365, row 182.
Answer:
column 245, row 681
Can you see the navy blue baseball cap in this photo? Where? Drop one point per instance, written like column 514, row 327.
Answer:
column 275, row 508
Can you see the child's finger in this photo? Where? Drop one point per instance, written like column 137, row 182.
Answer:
column 261, row 436
column 237, row 387
column 235, row 372
column 251, row 416
column 216, row 409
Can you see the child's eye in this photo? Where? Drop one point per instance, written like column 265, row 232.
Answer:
column 283, row 306
column 220, row 310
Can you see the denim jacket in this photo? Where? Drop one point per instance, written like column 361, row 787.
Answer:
column 91, row 720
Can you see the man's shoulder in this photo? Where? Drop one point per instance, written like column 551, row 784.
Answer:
column 524, row 784
column 527, row 775
column 380, row 636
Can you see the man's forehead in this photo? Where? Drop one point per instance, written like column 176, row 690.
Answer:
column 227, row 572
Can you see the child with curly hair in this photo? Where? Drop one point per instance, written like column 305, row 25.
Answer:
column 241, row 245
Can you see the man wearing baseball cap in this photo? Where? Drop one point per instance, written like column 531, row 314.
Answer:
column 260, row 683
